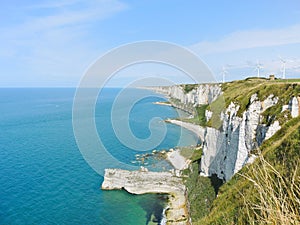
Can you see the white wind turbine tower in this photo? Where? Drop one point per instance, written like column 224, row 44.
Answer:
column 283, row 66
column 224, row 72
column 258, row 67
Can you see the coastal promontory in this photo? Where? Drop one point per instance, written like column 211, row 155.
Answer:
column 144, row 181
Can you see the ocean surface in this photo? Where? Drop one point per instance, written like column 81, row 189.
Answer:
column 43, row 176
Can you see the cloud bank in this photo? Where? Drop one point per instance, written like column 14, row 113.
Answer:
column 250, row 39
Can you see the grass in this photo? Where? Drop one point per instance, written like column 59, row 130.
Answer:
column 165, row 102
column 276, row 198
column 216, row 107
column 240, row 92
column 287, row 80
column 192, row 153
column 199, row 117
column 267, row 191
column 188, row 87
column 201, row 114
column 200, row 193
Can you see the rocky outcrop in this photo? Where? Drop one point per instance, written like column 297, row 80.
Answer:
column 272, row 129
column 143, row 181
column 294, row 107
column 269, row 102
column 208, row 115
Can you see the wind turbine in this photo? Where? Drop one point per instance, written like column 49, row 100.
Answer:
column 283, row 61
column 258, row 67
column 224, row 72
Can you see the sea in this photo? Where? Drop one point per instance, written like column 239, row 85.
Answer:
column 44, row 178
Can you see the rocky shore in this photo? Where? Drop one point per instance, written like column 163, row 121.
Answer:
column 144, row 181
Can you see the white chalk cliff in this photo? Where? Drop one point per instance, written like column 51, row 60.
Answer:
column 201, row 95
column 228, row 149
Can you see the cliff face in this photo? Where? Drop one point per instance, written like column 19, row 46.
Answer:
column 201, row 94
column 227, row 149
column 243, row 199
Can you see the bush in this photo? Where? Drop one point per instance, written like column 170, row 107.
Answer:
column 201, row 193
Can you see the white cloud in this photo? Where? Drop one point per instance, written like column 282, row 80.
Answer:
column 53, row 4
column 54, row 42
column 242, row 49
column 73, row 13
column 250, row 39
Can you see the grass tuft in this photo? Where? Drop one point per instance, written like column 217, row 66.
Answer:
column 277, row 197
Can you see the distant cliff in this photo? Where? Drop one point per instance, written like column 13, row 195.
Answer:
column 188, row 97
column 239, row 117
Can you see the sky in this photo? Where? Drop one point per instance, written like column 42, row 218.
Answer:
column 52, row 43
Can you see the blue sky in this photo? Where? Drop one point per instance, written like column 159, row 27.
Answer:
column 51, row 43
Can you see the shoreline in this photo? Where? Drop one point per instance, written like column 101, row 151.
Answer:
column 163, row 103
column 196, row 129
column 171, row 183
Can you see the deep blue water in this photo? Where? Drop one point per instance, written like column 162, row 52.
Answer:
column 43, row 176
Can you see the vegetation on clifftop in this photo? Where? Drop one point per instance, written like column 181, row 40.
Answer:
column 265, row 192
column 188, row 87
column 240, row 92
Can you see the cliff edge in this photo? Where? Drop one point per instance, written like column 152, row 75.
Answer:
column 144, row 181
column 238, row 117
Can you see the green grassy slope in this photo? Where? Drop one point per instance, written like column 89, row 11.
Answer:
column 234, row 202
column 267, row 191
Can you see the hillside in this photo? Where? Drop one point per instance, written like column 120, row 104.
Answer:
column 261, row 193
column 253, row 120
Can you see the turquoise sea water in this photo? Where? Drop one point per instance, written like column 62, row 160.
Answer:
column 43, row 176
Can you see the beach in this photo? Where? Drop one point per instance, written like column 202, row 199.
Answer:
column 198, row 130
column 177, row 160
